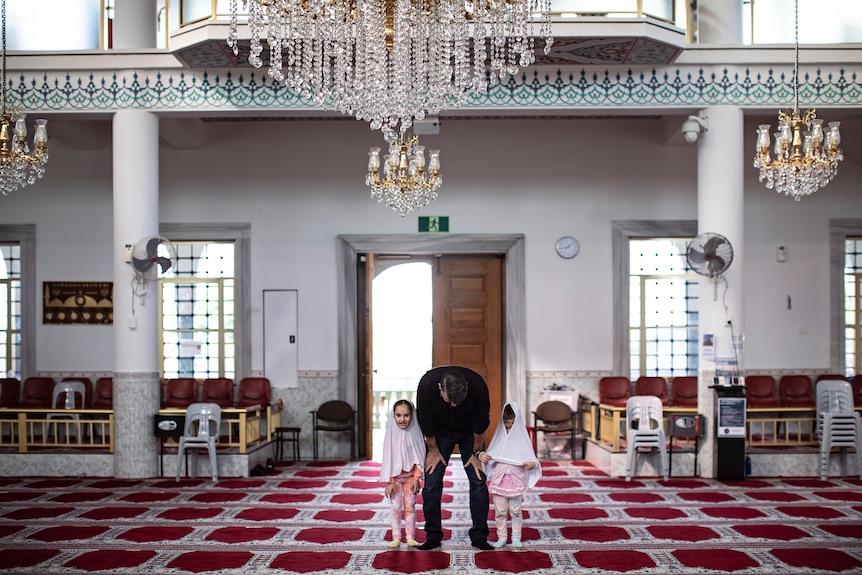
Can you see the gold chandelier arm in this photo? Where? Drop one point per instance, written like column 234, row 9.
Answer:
column 404, row 185
column 805, row 156
column 19, row 167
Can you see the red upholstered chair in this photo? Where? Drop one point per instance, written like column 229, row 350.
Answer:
column 797, row 391
column 614, row 390
column 181, row 392
column 103, row 394
column 856, row 384
column 36, row 393
column 218, row 390
column 648, row 385
column 10, row 388
column 761, row 391
column 103, row 398
column 254, row 391
column 683, row 390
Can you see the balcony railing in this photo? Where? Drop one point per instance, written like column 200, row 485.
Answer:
column 30, row 430
column 38, row 430
column 765, row 426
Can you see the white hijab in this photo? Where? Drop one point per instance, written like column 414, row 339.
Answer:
column 514, row 447
column 402, row 448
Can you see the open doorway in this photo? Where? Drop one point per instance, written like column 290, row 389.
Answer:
column 356, row 255
column 403, row 335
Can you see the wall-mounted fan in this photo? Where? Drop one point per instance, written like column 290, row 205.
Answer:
column 709, row 254
column 150, row 256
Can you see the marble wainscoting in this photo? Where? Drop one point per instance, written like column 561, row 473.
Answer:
column 314, row 388
column 586, row 383
column 56, row 465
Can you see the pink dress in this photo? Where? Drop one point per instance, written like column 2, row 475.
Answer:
column 508, row 480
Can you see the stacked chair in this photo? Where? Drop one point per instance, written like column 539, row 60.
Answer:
column 838, row 424
column 645, row 429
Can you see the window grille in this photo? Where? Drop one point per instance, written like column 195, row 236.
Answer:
column 197, row 315
column 663, row 316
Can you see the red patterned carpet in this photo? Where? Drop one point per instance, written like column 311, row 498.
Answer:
column 330, row 517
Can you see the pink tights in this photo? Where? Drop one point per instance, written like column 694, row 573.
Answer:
column 403, row 496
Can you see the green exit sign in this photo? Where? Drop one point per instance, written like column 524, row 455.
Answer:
column 433, row 223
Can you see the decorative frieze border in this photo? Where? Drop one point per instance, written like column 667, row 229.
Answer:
column 226, row 90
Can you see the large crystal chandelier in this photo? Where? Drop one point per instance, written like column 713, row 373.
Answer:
column 404, row 185
column 18, row 167
column 804, row 161
column 389, row 62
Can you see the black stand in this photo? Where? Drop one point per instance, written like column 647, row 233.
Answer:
column 685, row 425
column 168, row 426
column 730, row 432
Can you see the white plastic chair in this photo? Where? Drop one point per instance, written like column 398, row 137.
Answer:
column 200, row 432
column 644, row 429
column 75, row 392
column 838, row 424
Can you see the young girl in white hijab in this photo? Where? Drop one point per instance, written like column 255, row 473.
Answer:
column 403, row 461
column 513, row 468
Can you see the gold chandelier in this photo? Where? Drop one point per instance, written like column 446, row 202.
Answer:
column 18, row 167
column 405, row 184
column 806, row 155
column 389, row 62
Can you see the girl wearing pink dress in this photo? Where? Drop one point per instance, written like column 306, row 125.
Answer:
column 512, row 468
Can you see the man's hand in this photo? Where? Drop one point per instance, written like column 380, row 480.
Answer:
column 432, row 458
column 477, row 466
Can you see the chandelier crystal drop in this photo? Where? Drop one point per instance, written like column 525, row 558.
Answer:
column 806, row 154
column 404, row 185
column 389, row 62
column 18, row 167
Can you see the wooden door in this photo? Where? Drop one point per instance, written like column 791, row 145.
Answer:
column 468, row 320
column 364, row 279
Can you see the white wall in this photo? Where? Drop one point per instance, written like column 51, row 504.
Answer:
column 300, row 184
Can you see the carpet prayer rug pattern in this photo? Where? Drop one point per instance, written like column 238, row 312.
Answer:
column 331, row 517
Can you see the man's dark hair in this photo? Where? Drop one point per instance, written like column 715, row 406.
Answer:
column 455, row 386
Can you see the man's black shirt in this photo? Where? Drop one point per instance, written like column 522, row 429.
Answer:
column 436, row 417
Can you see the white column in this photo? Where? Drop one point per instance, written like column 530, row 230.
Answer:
column 719, row 22
column 134, row 24
column 136, row 360
column 721, row 161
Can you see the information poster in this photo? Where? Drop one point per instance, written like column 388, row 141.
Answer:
column 731, row 417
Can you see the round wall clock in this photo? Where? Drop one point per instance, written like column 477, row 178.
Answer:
column 567, row 247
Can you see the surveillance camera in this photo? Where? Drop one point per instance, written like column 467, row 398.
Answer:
column 692, row 128
column 690, row 131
